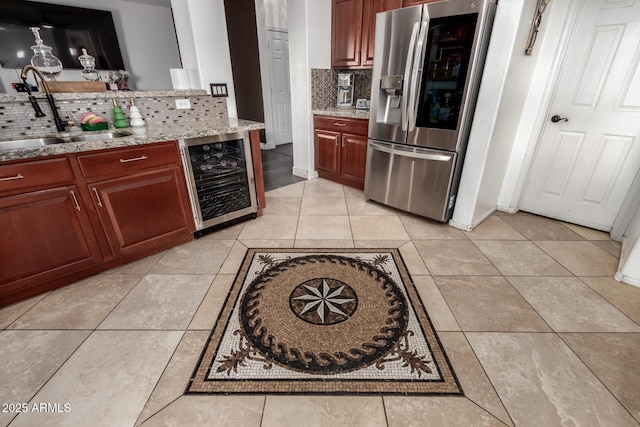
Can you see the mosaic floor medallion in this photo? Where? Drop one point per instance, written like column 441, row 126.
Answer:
column 323, row 321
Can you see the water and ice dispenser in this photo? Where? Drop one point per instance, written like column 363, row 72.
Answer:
column 389, row 99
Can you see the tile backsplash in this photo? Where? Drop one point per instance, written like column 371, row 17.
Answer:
column 324, row 87
column 17, row 118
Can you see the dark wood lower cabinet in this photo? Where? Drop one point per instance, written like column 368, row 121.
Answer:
column 341, row 149
column 68, row 217
column 141, row 210
column 45, row 235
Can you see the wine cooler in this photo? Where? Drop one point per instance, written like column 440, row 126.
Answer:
column 221, row 183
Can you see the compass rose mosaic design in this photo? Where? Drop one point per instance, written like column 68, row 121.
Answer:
column 323, row 321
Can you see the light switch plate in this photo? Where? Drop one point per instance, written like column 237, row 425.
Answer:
column 182, row 104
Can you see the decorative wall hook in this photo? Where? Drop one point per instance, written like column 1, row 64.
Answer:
column 537, row 20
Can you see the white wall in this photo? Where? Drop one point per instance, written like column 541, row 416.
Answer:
column 309, row 46
column 504, row 90
column 201, row 27
column 275, row 13
column 147, row 42
column 629, row 267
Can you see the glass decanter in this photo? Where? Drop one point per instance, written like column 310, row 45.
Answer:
column 49, row 65
column 88, row 62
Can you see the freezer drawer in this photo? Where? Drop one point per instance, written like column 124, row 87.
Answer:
column 413, row 179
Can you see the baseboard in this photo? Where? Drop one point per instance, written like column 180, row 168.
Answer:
column 267, row 146
column 626, row 279
column 303, row 173
column 470, row 227
column 507, row 209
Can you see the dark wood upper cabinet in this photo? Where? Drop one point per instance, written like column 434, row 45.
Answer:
column 346, row 33
column 406, row 3
column 353, row 29
column 371, row 8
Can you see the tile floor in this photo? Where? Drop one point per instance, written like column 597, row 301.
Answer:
column 536, row 330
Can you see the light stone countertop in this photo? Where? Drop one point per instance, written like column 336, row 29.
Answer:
column 117, row 94
column 343, row 112
column 147, row 135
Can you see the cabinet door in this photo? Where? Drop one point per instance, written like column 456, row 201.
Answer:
column 354, row 157
column 346, row 32
column 371, row 8
column 327, row 152
column 406, row 3
column 141, row 211
column 45, row 234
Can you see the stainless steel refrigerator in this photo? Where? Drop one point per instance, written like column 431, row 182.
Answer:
column 427, row 66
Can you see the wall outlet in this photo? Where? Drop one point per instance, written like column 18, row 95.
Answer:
column 182, row 104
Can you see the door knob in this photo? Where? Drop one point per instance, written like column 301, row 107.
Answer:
column 557, row 118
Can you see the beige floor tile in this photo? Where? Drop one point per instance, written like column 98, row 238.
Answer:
column 141, row 266
column 582, row 258
column 378, row 228
column 293, row 190
column 323, row 411
column 439, row 312
column 454, row 257
column 324, row 228
column 613, row 358
column 420, row 228
column 29, row 359
column 160, row 302
column 322, row 188
column 625, row 297
column 488, row 303
column 205, row 317
column 568, row 305
column 270, row 227
column 587, row 233
column 282, row 206
column 379, row 243
column 493, row 228
column 353, row 193
column 436, row 411
column 107, row 380
column 520, row 258
column 471, row 376
column 176, row 376
column 542, row 383
column 610, row 246
column 535, row 227
column 336, row 243
column 234, row 259
column 11, row 312
column 82, row 305
column 218, row 411
column 268, row 243
column 413, row 260
column 202, row 256
column 317, row 206
column 362, row 207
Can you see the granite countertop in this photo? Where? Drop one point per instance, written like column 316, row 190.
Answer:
column 147, row 135
column 343, row 112
column 117, row 94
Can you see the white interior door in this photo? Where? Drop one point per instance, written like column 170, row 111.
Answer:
column 585, row 165
column 280, row 85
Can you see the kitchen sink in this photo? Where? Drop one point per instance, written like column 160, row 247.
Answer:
column 99, row 136
column 30, row 143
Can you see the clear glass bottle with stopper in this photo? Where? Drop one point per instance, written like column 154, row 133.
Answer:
column 88, row 62
column 43, row 58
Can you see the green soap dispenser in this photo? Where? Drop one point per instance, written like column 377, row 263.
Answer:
column 119, row 121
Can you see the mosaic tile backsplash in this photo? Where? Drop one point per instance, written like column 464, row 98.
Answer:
column 17, row 118
column 324, row 87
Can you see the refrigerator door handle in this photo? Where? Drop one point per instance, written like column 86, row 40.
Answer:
column 407, row 74
column 411, row 153
column 417, row 69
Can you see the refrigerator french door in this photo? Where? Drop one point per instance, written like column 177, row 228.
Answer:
column 427, row 66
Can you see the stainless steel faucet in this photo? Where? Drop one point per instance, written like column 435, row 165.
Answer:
column 60, row 124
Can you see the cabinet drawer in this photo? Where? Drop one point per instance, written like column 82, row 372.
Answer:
column 127, row 160
column 37, row 173
column 339, row 124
